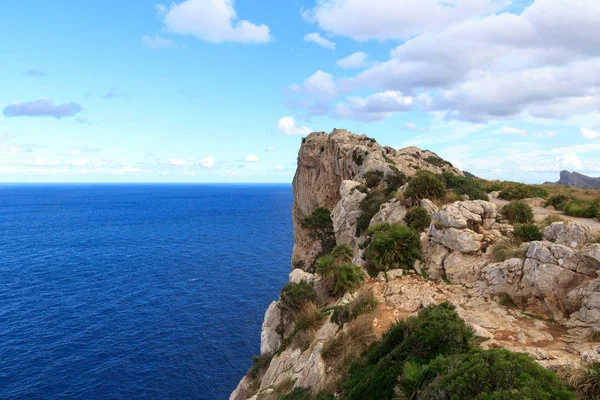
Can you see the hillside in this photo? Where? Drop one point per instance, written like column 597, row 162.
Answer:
column 384, row 235
column 578, row 180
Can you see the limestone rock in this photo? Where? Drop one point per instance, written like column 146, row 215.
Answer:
column 465, row 241
column 346, row 213
column 429, row 206
column 571, row 234
column 243, row 389
column 389, row 212
column 463, row 268
column 434, row 255
column 298, row 275
column 535, row 202
column 270, row 340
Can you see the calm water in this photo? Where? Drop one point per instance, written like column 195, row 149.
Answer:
column 136, row 291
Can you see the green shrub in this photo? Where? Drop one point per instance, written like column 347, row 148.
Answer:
column 357, row 158
column 463, row 185
column 320, row 227
column 527, row 233
column 297, row 394
column 492, row 374
column 342, row 252
column 259, row 365
column 426, row 185
column 559, row 202
column 438, row 162
column 373, row 178
column 294, row 295
column 417, row 218
column 392, row 246
column 394, row 180
column 369, row 207
column 437, row 330
column 506, row 249
column 518, row 212
column 583, row 209
column 347, row 276
column 364, row 303
column 521, row 191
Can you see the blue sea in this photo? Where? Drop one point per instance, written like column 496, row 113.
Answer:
column 136, row 291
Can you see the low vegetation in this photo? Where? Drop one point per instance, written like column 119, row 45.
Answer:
column 417, row 218
column 295, row 295
column 364, row 303
column 463, row 185
column 426, row 185
column 339, row 273
column 438, row 161
column 308, row 321
column 518, row 212
column 520, row 191
column 550, row 219
column 527, row 232
column 392, row 246
column 506, row 249
column 394, row 180
column 373, row 178
column 320, row 227
column 585, row 381
column 369, row 207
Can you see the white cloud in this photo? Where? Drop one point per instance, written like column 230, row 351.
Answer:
column 320, row 85
column 532, row 65
column 207, row 162
column 411, row 126
column 355, row 60
column 278, row 168
column 287, row 125
column 214, row 21
column 252, row 158
column 5, row 149
column 590, row 134
column 320, row 40
column 394, row 19
column 513, row 131
column 271, row 148
column 161, row 9
column 157, row 42
column 81, row 162
column 177, row 162
column 375, row 107
column 547, row 134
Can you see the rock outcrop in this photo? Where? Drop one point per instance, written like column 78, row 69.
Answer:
column 578, row 180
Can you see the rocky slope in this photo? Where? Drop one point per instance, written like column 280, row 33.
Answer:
column 546, row 304
column 578, row 180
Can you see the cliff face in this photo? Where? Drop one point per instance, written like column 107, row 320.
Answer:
column 556, row 277
column 326, row 160
column 578, row 180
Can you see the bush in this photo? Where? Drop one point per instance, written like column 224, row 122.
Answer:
column 527, row 233
column 520, row 191
column 506, row 249
column 518, row 212
column 259, row 365
column 369, row 207
column 417, row 218
column 373, row 178
column 394, row 180
column 559, row 202
column 364, row 303
column 347, row 276
column 349, row 343
column 425, row 185
column 392, row 246
column 320, row 227
column 294, row 295
column 583, row 209
column 357, row 158
column 492, row 374
column 465, row 186
column 585, row 381
column 438, row 162
column 550, row 219
column 342, row 252
column 437, row 330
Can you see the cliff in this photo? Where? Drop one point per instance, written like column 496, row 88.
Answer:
column 543, row 300
column 578, row 180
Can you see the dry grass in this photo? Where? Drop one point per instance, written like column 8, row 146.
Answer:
column 340, row 350
column 585, row 194
column 364, row 303
column 550, row 219
column 308, row 322
column 585, row 381
column 451, row 197
column 506, row 249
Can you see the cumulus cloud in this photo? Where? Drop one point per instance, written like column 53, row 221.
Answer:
column 42, row 108
column 590, row 134
column 157, row 42
column 320, row 85
column 320, row 40
column 35, row 73
column 375, row 107
column 530, row 64
column 207, row 162
column 213, row 21
column 287, row 125
column 394, row 19
column 355, row 60
column 251, row 158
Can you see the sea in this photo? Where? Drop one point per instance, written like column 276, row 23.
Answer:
column 137, row 291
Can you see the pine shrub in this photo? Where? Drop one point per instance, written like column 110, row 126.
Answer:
column 518, row 212
column 417, row 218
column 527, row 233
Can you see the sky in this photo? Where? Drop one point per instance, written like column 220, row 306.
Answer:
column 224, row 91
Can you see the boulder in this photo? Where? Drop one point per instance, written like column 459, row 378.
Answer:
column 390, row 212
column 434, row 256
column 298, row 275
column 571, row 234
column 270, row 340
column 429, row 206
column 465, row 241
column 346, row 213
column 463, row 268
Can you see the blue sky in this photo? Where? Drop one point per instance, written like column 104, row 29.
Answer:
column 223, row 91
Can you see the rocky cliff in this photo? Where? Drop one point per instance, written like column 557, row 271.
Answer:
column 544, row 302
column 578, row 180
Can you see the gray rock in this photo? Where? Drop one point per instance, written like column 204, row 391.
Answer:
column 465, row 241
column 346, row 213
column 571, row 234
column 389, row 212
column 270, row 340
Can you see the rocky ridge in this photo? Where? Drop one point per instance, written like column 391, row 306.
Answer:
column 556, row 283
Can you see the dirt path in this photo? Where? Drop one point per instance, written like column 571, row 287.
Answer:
column 540, row 213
